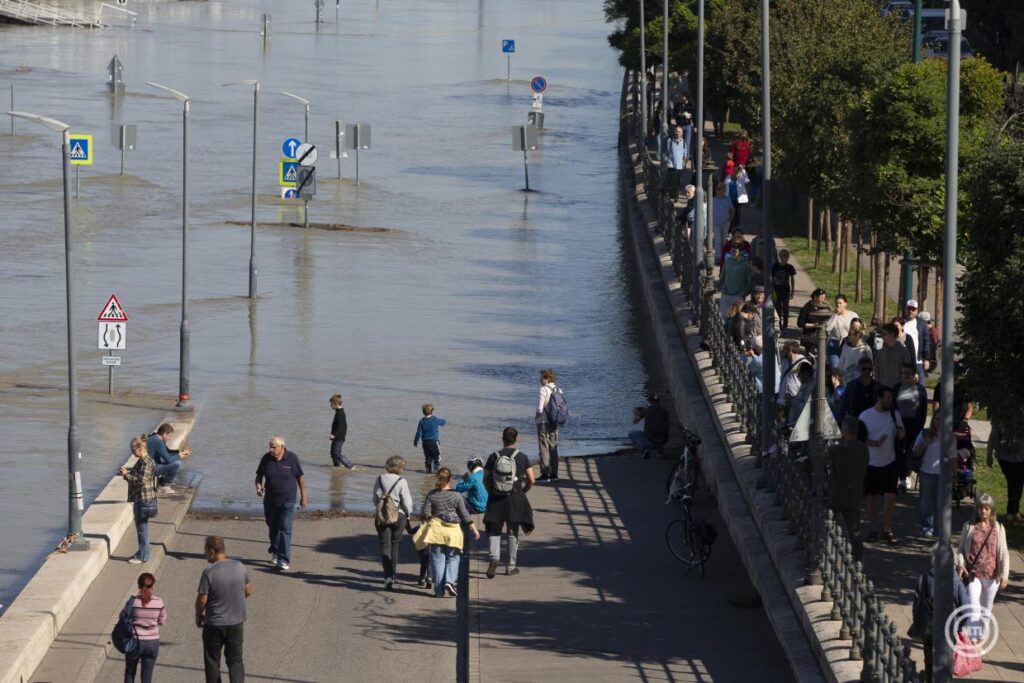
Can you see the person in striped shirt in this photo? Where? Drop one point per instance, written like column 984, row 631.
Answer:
column 148, row 615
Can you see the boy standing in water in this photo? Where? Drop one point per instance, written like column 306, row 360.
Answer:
column 429, row 431
column 339, row 430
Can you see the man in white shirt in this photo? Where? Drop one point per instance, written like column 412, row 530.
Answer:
column 884, row 426
column 927, row 451
column 916, row 329
column 547, row 433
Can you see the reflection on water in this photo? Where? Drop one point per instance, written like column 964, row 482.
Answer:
column 481, row 286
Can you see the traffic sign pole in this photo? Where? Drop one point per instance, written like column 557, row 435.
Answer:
column 508, row 68
column 185, row 342
column 252, row 233
column 526, row 164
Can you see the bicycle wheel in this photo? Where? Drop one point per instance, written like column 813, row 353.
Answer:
column 679, row 539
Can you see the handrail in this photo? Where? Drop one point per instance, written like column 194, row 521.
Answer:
column 115, row 8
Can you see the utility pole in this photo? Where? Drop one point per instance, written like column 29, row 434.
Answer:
column 768, row 347
column 907, row 268
column 701, row 222
column 643, row 74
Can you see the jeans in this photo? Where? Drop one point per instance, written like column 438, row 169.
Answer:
column 494, row 543
column 167, row 473
column 230, row 639
column 147, row 654
column 431, row 455
column 444, row 566
column 781, row 300
column 547, row 440
column 142, row 511
column 279, row 522
column 834, row 347
column 337, row 457
column 1014, row 473
column 390, row 536
column 928, row 504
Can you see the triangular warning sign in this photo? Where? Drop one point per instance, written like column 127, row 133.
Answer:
column 113, row 311
column 77, row 152
column 290, row 174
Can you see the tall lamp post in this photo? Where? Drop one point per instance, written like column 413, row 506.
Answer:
column 941, row 655
column 701, row 221
column 305, row 103
column 768, row 347
column 253, row 271
column 643, row 70
column 907, row 268
column 184, row 345
column 75, row 502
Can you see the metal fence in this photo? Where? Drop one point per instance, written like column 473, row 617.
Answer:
column 798, row 485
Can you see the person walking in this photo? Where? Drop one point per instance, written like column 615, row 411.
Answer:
column 508, row 477
column 916, row 327
column 736, row 187
column 675, row 157
column 849, row 464
column 168, row 464
column 429, row 431
column 885, row 428
column 928, row 456
column 339, row 430
column 141, row 480
column 547, row 429
column 891, row 357
column 851, row 351
column 1007, row 447
column 838, row 329
column 220, row 611
column 443, row 514
column 984, row 563
column 783, row 286
column 276, row 477
column 860, row 393
column 735, row 279
column 394, row 486
column 147, row 615
column 912, row 404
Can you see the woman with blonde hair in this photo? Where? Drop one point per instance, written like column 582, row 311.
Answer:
column 984, row 563
column 444, row 512
column 141, row 480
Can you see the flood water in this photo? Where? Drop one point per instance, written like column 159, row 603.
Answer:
column 476, row 287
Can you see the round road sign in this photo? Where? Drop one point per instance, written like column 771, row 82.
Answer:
column 539, row 84
column 306, row 154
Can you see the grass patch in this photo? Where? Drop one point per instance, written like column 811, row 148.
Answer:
column 991, row 481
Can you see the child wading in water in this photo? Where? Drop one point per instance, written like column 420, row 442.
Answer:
column 429, row 432
column 339, row 429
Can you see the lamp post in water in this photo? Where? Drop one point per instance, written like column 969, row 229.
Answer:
column 184, row 345
column 304, row 102
column 75, row 502
column 253, row 271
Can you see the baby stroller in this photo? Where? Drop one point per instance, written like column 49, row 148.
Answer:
column 964, row 483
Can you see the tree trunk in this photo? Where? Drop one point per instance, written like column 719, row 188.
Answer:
column 923, row 273
column 810, row 221
column 885, row 289
column 841, row 249
column 828, row 227
column 837, row 243
column 878, row 293
column 858, row 286
column 849, row 244
column 821, row 228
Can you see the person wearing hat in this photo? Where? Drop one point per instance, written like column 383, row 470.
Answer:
column 915, row 328
column 471, row 486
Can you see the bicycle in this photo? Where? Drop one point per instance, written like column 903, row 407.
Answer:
column 688, row 539
column 681, row 483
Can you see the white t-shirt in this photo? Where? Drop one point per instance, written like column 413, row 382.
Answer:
column 879, row 425
column 932, row 454
column 911, row 329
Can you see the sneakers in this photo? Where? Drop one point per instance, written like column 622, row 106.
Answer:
column 428, row 583
column 449, row 590
column 389, row 583
column 134, row 560
column 273, row 557
column 902, row 485
column 553, row 477
column 165, row 489
column 283, row 566
column 512, row 571
column 492, row 569
column 422, row 583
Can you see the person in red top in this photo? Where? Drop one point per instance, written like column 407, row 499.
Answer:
column 729, row 166
column 740, row 149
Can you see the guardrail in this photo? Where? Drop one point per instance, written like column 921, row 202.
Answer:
column 798, row 485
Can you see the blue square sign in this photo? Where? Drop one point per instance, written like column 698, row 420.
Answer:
column 508, row 46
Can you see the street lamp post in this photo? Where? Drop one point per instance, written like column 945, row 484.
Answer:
column 75, row 502
column 184, row 345
column 305, row 103
column 701, row 222
column 664, row 79
column 907, row 267
column 643, row 71
column 768, row 347
column 253, row 271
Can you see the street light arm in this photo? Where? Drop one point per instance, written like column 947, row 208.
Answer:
column 249, row 82
column 52, row 124
column 177, row 94
column 303, row 100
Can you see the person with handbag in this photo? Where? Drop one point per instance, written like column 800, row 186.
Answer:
column 147, row 615
column 392, row 502
column 141, row 480
column 983, row 562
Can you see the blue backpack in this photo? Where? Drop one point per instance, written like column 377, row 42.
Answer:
column 556, row 410
column 123, row 636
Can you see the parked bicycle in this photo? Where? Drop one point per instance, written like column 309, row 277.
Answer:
column 681, row 483
column 688, row 539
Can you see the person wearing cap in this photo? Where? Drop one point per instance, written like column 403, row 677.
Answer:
column 471, row 486
column 917, row 329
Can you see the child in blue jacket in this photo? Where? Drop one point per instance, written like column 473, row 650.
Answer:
column 429, row 432
column 471, row 486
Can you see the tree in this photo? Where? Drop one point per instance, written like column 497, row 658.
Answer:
column 682, row 37
column 993, row 253
column 996, row 30
column 898, row 146
column 732, row 60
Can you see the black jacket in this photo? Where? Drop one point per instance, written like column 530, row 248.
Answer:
column 339, row 428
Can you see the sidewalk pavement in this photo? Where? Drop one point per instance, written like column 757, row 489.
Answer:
column 600, row 598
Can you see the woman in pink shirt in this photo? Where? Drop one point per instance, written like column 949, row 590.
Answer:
column 148, row 614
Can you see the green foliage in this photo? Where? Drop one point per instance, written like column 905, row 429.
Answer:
column 682, row 36
column 996, row 30
column 993, row 253
column 898, row 144
column 732, row 60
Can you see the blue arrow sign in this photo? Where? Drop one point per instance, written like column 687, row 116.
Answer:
column 289, row 146
column 508, row 46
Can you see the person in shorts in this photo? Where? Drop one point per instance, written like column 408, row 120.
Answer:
column 884, row 429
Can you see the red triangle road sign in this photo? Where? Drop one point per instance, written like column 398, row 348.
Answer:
column 113, row 311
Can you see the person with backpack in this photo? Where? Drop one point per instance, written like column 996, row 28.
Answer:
column 146, row 614
column 392, row 504
column 429, row 431
column 508, row 477
column 444, row 512
column 552, row 413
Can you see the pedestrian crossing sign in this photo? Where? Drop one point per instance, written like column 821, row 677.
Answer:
column 80, row 149
column 289, row 174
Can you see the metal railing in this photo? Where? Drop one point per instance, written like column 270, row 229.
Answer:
column 35, row 13
column 797, row 485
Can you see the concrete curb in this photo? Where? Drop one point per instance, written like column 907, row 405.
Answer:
column 35, row 618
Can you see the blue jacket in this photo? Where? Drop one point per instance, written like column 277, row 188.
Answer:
column 472, row 487
column 158, row 450
column 429, row 429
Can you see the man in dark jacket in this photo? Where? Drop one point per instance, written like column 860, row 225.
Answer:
column 656, row 427
column 849, row 463
column 860, row 393
column 741, row 325
column 917, row 329
column 511, row 511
